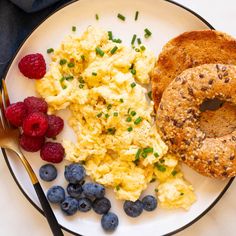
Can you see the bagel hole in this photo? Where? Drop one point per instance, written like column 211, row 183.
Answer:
column 217, row 118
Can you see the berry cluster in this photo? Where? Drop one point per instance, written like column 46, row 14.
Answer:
column 81, row 196
column 31, row 115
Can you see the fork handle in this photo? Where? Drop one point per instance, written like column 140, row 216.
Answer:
column 52, row 221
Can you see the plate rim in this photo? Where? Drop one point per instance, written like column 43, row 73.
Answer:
column 9, row 165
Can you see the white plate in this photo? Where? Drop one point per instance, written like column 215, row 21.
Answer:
column 166, row 20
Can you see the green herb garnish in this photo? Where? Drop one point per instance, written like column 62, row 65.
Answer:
column 129, row 119
column 133, row 39
column 69, row 78
column 148, row 150
column 81, row 86
column 133, row 113
column 73, row 28
column 139, row 41
column 111, row 130
column 71, row 64
column 148, row 33
column 63, row 62
column 142, row 48
column 137, row 156
column 133, row 85
column 121, row 100
column 136, row 15
column 50, row 50
column 106, row 116
column 161, row 168
column 130, row 129
column 138, row 120
column 99, row 51
column 156, row 154
column 97, row 16
column 174, row 172
column 99, row 114
column 133, row 71
column 150, row 95
column 110, row 36
column 109, row 107
column 94, row 73
column 121, row 17
column 115, row 114
column 113, row 50
column 82, row 57
column 117, row 40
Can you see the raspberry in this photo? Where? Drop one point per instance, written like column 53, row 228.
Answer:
column 33, row 66
column 35, row 124
column 52, row 152
column 16, row 113
column 35, row 104
column 55, row 126
column 31, row 144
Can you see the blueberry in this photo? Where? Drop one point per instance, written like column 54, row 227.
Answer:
column 109, row 222
column 56, row 194
column 101, row 205
column 85, row 204
column 149, row 203
column 69, row 206
column 48, row 172
column 74, row 190
column 74, row 173
column 133, row 209
column 93, row 190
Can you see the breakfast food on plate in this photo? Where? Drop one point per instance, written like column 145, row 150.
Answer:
column 192, row 49
column 178, row 119
column 100, row 81
column 188, row 50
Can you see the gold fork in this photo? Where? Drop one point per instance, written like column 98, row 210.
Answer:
column 9, row 139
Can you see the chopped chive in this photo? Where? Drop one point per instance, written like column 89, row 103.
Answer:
column 94, row 73
column 130, row 129
column 115, row 114
column 156, row 154
column 133, row 71
column 129, row 110
column 81, row 80
column 148, row 150
column 81, row 86
column 138, row 120
column 82, row 57
column 109, row 107
column 148, row 33
column 150, row 95
column 64, row 86
column 121, row 17
column 121, row 100
column 99, row 115
column 138, row 154
column 162, row 160
column 99, row 51
column 133, row 39
column 69, row 78
column 129, row 119
column 113, row 50
column 50, row 50
column 97, row 16
column 139, row 41
column 111, row 130
column 110, row 36
column 73, row 28
column 142, row 48
column 71, row 64
column 181, row 194
column 153, row 180
column 156, row 190
column 63, row 61
column 136, row 15
column 137, row 50
column 117, row 40
column 174, row 172
column 144, row 155
column 161, row 168
column 133, row 113
column 118, row 187
column 62, row 79
column 106, row 115
column 133, row 85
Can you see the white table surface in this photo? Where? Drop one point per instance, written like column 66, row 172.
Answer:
column 18, row 217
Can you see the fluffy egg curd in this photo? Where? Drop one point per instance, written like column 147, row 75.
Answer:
column 102, row 83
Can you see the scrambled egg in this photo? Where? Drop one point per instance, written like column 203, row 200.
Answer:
column 101, row 83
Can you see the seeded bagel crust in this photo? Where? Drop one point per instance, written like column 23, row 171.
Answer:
column 188, row 50
column 178, row 119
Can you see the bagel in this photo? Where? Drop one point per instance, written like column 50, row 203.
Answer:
column 179, row 124
column 188, row 50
